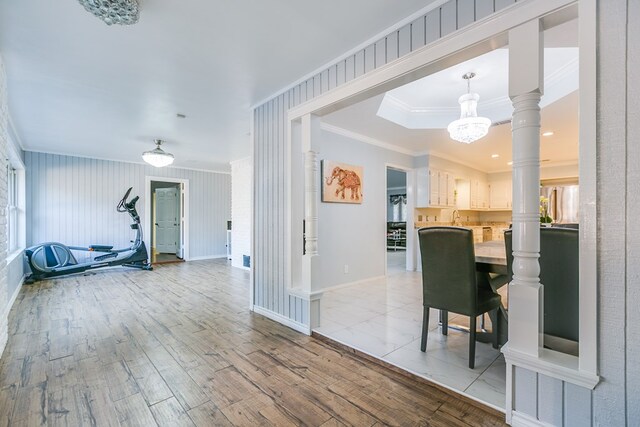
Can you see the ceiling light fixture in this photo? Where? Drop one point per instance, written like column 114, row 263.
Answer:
column 469, row 127
column 548, row 133
column 122, row 12
column 509, row 163
column 158, row 157
column 495, row 156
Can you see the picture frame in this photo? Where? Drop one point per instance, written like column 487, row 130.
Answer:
column 341, row 182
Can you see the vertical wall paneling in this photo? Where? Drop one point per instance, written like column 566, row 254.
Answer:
column 448, row 18
column 404, row 40
column 341, row 74
column 483, row 8
column 577, row 406
column 359, row 63
column 501, row 4
column 417, row 33
column 324, row 79
column 392, row 46
column 350, row 68
column 72, row 200
column 333, row 77
column 526, row 384
column 466, row 12
column 432, row 26
column 609, row 403
column 633, row 210
column 369, row 58
column 381, row 52
column 550, row 400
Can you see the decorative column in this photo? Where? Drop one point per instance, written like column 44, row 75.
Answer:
column 310, row 132
column 526, row 76
column 311, row 203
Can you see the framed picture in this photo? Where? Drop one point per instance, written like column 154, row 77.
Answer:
column 341, row 183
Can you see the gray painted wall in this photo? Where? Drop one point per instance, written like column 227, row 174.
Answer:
column 270, row 138
column 354, row 234
column 72, row 200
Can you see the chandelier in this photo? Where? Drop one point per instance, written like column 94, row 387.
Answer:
column 469, row 127
column 158, row 157
column 123, row 12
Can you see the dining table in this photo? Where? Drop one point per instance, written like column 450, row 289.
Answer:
column 491, row 264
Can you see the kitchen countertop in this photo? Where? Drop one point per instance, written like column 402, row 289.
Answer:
column 491, row 252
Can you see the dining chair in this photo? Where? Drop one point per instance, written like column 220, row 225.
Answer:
column 559, row 269
column 449, row 281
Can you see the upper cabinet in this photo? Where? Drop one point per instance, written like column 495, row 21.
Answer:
column 435, row 189
column 479, row 194
column 500, row 194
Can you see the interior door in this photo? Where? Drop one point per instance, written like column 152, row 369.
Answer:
column 167, row 220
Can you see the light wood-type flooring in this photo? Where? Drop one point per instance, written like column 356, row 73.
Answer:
column 178, row 346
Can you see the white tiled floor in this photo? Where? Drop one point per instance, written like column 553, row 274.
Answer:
column 384, row 319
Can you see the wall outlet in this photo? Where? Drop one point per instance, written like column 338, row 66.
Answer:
column 346, row 269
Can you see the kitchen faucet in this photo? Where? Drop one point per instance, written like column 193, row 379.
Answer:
column 455, row 217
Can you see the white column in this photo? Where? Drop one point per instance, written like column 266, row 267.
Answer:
column 311, row 132
column 525, row 89
column 311, row 202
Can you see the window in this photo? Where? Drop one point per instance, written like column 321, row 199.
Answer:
column 12, row 210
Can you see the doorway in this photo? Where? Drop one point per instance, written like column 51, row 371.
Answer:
column 166, row 219
column 396, row 207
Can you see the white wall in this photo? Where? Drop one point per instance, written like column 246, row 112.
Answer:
column 73, row 200
column 354, row 234
column 240, row 210
column 4, row 140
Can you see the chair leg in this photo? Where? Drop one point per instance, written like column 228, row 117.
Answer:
column 495, row 325
column 472, row 342
column 444, row 319
column 425, row 328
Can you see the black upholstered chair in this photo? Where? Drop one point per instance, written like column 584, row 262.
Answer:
column 449, row 281
column 559, row 268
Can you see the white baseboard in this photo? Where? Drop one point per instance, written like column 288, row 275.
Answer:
column 202, row 258
column 349, row 284
column 296, row 326
column 15, row 294
column 518, row 419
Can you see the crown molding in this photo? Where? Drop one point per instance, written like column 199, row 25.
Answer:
column 366, row 139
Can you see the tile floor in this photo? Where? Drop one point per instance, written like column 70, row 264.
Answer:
column 384, row 319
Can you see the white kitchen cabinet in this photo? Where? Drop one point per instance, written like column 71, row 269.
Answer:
column 500, row 194
column 479, row 194
column 435, row 188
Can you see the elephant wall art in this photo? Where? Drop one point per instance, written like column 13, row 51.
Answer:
column 341, row 183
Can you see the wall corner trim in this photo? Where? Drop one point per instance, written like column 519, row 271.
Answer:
column 296, row 326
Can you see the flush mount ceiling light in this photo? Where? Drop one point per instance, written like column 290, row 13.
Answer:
column 157, row 157
column 122, row 12
column 549, row 133
column 469, row 127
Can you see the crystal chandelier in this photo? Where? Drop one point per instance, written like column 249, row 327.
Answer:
column 469, row 127
column 123, row 12
column 158, row 157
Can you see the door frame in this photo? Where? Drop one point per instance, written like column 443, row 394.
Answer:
column 410, row 227
column 184, row 225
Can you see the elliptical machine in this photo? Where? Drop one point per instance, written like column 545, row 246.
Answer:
column 55, row 259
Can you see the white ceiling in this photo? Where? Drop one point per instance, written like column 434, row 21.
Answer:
column 560, row 116
column 77, row 86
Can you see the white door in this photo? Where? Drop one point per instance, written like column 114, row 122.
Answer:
column 167, row 220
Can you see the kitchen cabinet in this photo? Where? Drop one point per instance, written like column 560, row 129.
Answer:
column 435, row 188
column 479, row 194
column 500, row 194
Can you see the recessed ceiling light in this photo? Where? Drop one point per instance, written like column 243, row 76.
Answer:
column 509, row 163
column 549, row 133
column 495, row 156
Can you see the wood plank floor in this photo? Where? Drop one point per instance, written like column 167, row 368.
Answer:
column 178, row 346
